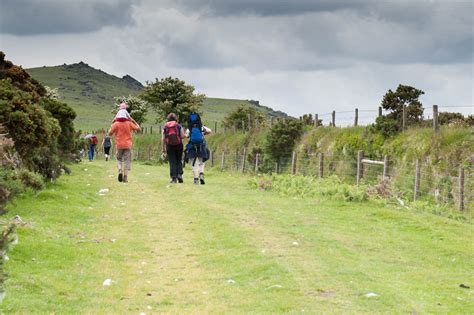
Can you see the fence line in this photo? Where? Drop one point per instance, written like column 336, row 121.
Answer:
column 456, row 183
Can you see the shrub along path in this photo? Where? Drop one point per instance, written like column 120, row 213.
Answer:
column 224, row 247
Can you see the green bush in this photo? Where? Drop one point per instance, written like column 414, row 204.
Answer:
column 282, row 138
column 239, row 118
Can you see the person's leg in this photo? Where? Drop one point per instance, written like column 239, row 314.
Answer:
column 127, row 160
column 107, row 153
column 91, row 148
column 201, row 171
column 119, row 158
column 179, row 164
column 172, row 159
column 93, row 151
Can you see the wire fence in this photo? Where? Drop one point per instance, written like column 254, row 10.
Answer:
column 445, row 185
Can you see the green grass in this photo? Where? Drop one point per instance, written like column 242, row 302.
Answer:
column 90, row 92
column 176, row 248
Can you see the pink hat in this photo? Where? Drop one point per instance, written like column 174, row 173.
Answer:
column 123, row 106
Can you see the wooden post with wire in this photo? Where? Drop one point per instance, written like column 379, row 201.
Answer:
column 435, row 118
column 293, row 163
column 333, row 118
column 416, row 190
column 404, row 117
column 321, row 165
column 244, row 155
column 360, row 156
column 257, row 161
column 356, row 118
column 385, row 167
column 461, row 188
column 380, row 111
column 222, row 160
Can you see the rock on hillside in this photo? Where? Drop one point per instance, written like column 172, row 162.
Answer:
column 133, row 83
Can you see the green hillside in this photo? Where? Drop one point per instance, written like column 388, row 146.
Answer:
column 91, row 91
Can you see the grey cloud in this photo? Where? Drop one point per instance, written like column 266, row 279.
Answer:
column 430, row 32
column 30, row 17
column 270, row 7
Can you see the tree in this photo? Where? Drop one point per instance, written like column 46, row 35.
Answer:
column 282, row 138
column 172, row 95
column 392, row 123
column 239, row 118
column 404, row 96
column 137, row 107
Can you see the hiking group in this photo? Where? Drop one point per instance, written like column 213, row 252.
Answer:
column 173, row 135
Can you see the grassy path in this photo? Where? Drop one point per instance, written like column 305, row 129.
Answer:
column 223, row 247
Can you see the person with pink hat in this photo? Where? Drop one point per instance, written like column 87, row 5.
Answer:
column 123, row 114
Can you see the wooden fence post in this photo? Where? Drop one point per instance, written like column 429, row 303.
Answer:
column 334, row 118
column 316, row 120
column 293, row 163
column 385, row 167
column 321, row 165
column 222, row 161
column 236, row 162
column 435, row 118
column 257, row 160
column 380, row 111
column 151, row 130
column 360, row 156
column 416, row 190
column 404, row 117
column 461, row 188
column 356, row 118
column 244, row 158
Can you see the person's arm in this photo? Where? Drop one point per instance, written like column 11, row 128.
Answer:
column 112, row 130
column 206, row 130
column 131, row 119
column 135, row 126
column 163, row 145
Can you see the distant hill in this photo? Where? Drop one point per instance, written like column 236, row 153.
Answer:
column 91, row 93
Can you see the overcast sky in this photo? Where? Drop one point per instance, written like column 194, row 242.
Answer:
column 298, row 56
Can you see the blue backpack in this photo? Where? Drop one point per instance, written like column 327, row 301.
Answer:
column 195, row 129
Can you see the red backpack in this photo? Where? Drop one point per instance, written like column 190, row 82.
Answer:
column 94, row 140
column 172, row 133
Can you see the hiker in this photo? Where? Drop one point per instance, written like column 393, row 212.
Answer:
column 123, row 142
column 196, row 150
column 92, row 143
column 172, row 145
column 107, row 144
